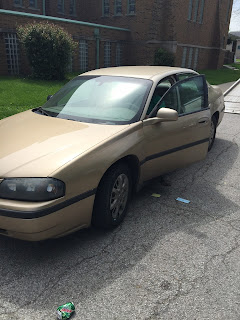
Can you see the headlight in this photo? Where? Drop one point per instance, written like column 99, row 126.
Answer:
column 32, row 189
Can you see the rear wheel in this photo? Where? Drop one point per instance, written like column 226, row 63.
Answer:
column 112, row 197
column 212, row 132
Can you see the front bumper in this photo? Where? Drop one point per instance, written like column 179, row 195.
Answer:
column 40, row 221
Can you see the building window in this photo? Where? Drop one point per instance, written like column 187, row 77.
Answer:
column 11, row 45
column 201, row 12
column 118, row 7
column 107, row 54
column 83, row 55
column 190, row 56
column 184, row 57
column 33, row 4
column 190, row 8
column 196, row 11
column 239, row 47
column 106, row 8
column 18, row 3
column 72, row 10
column 195, row 64
column 60, row 6
column 118, row 54
column 131, row 6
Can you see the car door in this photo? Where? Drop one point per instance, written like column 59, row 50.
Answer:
column 175, row 144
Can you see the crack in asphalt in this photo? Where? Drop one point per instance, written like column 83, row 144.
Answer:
column 165, row 304
column 162, row 306
column 51, row 284
column 206, row 167
column 184, row 284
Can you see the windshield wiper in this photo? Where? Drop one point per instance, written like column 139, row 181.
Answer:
column 42, row 111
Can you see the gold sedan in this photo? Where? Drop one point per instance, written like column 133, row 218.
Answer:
column 76, row 160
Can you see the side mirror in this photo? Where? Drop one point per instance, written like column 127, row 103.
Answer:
column 163, row 115
column 166, row 114
column 49, row 97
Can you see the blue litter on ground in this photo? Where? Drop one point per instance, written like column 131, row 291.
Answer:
column 183, row 200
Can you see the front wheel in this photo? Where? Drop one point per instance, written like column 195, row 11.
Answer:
column 112, row 197
column 212, row 132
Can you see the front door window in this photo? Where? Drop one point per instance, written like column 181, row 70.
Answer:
column 186, row 96
column 162, row 87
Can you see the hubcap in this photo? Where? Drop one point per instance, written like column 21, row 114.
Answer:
column 119, row 196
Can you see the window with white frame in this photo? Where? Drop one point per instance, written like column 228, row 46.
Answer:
column 106, row 8
column 107, row 54
column 131, row 6
column 118, row 7
column 18, row 3
column 33, row 4
column 118, row 54
column 60, row 6
column 12, row 53
column 83, row 55
column 72, row 9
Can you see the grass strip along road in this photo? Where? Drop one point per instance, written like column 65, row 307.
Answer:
column 19, row 94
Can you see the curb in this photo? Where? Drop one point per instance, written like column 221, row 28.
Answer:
column 232, row 87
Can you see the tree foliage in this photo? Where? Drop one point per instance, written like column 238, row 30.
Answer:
column 163, row 58
column 48, row 48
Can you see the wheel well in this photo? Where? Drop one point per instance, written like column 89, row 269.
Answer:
column 134, row 165
column 216, row 115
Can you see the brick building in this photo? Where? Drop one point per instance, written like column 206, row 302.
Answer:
column 122, row 32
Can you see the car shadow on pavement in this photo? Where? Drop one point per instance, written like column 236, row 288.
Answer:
column 37, row 276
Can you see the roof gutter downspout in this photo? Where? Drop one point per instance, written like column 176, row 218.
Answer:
column 44, row 7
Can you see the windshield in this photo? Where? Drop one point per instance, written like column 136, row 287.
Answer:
column 100, row 99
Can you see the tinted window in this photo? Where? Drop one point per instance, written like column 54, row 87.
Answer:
column 185, row 97
column 183, row 76
column 191, row 94
column 160, row 90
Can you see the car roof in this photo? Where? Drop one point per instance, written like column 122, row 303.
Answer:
column 144, row 72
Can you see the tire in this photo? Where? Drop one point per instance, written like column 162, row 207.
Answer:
column 212, row 132
column 112, row 197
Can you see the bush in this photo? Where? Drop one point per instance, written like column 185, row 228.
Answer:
column 163, row 58
column 48, row 48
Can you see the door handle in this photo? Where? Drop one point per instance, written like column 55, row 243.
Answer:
column 203, row 120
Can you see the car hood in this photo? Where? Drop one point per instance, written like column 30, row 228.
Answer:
column 34, row 145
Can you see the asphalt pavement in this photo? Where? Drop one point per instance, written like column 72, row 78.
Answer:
column 168, row 260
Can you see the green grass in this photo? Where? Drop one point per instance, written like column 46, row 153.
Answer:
column 222, row 75
column 19, row 94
